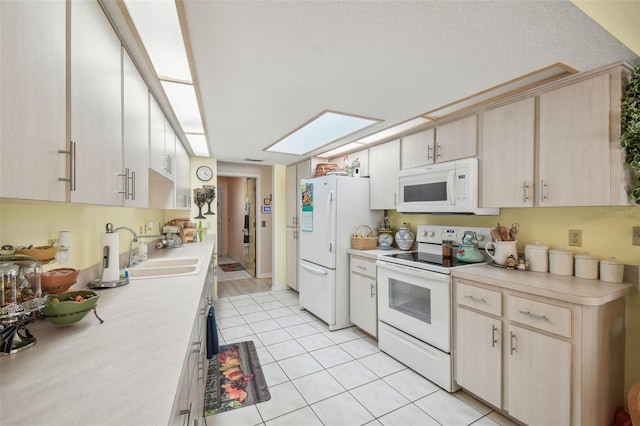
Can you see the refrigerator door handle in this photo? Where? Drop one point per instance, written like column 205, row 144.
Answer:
column 313, row 270
column 330, row 220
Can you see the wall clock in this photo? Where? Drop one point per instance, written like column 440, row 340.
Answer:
column 204, row 173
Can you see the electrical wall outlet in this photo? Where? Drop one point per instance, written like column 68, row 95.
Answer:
column 575, row 237
column 636, row 236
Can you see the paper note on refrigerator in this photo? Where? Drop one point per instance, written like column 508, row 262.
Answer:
column 306, row 216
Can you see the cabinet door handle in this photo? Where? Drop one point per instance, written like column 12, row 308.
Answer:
column 125, row 183
column 493, row 336
column 475, row 299
column 438, row 148
column 512, row 343
column 132, row 193
column 429, row 152
column 72, row 165
column 524, row 191
column 395, row 199
column 535, row 316
column 373, row 290
column 543, row 186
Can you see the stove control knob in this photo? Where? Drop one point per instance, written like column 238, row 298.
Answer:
column 429, row 234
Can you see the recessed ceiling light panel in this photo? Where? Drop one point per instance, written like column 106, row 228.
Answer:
column 322, row 130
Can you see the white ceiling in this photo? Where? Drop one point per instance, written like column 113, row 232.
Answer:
column 264, row 68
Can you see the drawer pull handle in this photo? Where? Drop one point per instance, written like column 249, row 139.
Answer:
column 493, row 336
column 361, row 267
column 476, row 299
column 536, row 316
column 513, row 346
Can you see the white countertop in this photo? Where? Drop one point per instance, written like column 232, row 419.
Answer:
column 122, row 372
column 567, row 288
column 375, row 253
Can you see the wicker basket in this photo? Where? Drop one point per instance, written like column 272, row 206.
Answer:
column 366, row 241
column 323, row 168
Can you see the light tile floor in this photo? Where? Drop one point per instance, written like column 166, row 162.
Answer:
column 319, row 377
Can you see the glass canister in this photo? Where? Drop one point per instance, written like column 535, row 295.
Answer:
column 21, row 291
column 537, row 255
column 404, row 237
column 21, row 296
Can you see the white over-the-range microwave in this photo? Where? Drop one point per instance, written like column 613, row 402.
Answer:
column 445, row 188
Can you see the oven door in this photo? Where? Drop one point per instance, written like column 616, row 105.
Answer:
column 427, row 189
column 415, row 301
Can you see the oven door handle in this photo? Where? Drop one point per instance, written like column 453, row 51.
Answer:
column 314, row 270
column 423, row 273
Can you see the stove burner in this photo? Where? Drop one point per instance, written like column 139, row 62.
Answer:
column 428, row 258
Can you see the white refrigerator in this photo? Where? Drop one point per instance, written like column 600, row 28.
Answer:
column 332, row 208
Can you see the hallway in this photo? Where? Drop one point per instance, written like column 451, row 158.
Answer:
column 236, row 283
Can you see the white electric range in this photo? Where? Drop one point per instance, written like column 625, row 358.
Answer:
column 415, row 302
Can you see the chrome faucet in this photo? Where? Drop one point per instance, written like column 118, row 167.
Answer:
column 134, row 240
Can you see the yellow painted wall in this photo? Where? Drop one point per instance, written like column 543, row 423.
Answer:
column 24, row 223
column 621, row 18
column 606, row 231
column 279, row 214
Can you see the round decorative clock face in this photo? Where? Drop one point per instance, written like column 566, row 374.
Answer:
column 385, row 240
column 204, row 173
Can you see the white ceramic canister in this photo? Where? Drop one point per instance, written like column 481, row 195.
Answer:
column 537, row 255
column 611, row 271
column 560, row 261
column 404, row 237
column 586, row 266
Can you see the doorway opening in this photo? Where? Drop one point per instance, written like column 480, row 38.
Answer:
column 237, row 225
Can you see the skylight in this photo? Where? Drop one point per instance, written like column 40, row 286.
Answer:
column 198, row 144
column 327, row 127
column 159, row 29
column 376, row 137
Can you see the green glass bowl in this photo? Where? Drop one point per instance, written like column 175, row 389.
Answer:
column 61, row 309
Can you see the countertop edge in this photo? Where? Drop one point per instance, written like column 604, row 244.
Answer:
column 566, row 288
column 84, row 373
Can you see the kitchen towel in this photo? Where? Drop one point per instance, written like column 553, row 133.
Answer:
column 213, row 347
column 112, row 270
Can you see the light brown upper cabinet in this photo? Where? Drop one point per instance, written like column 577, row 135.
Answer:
column 457, row 139
column 507, row 155
column 33, row 102
column 418, row 149
column 96, row 106
column 564, row 151
column 135, row 125
column 450, row 141
column 574, row 165
column 384, row 164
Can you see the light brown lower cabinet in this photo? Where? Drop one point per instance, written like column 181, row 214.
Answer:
column 536, row 359
column 363, row 294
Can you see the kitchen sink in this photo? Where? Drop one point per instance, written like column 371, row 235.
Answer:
column 164, row 268
column 155, row 263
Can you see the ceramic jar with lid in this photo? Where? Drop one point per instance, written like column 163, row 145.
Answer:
column 537, row 255
column 611, row 271
column 560, row 261
column 586, row 266
column 404, row 237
